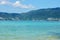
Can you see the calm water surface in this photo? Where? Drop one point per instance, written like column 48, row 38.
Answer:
column 29, row 30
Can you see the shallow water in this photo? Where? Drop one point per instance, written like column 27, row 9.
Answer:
column 29, row 30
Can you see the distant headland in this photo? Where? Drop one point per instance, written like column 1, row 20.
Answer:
column 50, row 14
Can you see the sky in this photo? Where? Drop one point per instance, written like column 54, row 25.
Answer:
column 21, row 6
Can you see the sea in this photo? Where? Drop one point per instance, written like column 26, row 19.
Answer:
column 29, row 30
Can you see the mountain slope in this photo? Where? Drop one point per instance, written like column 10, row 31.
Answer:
column 40, row 14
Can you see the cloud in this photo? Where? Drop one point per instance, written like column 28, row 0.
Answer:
column 16, row 4
column 5, row 2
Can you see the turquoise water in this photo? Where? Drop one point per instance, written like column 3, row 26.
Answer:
column 29, row 30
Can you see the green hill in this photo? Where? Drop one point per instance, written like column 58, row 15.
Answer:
column 40, row 14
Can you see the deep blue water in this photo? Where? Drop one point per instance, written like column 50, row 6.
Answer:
column 29, row 30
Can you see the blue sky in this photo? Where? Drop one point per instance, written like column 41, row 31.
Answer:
column 20, row 6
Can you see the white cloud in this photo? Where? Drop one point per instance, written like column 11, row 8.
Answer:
column 3, row 2
column 16, row 4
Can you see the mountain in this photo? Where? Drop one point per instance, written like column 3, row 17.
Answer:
column 40, row 14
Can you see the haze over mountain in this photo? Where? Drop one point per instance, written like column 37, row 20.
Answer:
column 40, row 14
